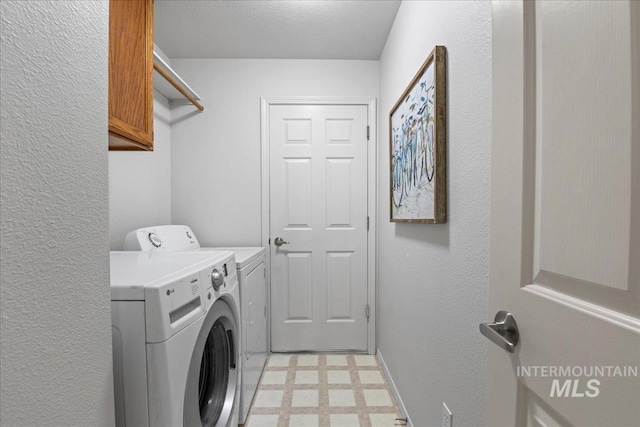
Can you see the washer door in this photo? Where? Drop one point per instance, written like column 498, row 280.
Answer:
column 211, row 383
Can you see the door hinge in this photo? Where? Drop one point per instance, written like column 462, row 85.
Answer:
column 265, row 311
column 368, row 132
column 367, row 223
column 367, row 312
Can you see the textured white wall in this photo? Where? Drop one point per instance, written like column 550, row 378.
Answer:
column 54, row 297
column 433, row 278
column 140, row 181
column 215, row 155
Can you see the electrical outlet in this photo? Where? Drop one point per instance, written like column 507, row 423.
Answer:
column 447, row 416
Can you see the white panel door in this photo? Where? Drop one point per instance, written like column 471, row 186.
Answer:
column 318, row 204
column 565, row 213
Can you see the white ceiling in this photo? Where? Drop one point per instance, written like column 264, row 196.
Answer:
column 277, row 29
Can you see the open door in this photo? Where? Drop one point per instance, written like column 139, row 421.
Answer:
column 565, row 214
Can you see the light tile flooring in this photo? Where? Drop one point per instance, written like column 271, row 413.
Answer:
column 332, row 390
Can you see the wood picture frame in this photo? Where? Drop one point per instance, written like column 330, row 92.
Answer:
column 418, row 146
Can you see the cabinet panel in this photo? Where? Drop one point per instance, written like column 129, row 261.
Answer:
column 131, row 75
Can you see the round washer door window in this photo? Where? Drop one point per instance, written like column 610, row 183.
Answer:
column 211, row 384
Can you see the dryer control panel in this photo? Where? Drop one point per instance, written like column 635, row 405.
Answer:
column 168, row 238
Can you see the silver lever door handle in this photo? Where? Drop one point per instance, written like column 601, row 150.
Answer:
column 503, row 332
column 278, row 241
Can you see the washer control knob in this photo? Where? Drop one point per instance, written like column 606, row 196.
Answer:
column 217, row 279
column 154, row 239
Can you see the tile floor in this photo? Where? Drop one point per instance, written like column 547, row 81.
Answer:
column 332, row 390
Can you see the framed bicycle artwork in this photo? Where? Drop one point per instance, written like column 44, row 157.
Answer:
column 418, row 146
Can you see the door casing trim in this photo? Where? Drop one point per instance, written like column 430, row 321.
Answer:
column 372, row 167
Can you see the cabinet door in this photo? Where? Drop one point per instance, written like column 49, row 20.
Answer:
column 131, row 75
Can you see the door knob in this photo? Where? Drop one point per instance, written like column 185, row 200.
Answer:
column 279, row 242
column 503, row 331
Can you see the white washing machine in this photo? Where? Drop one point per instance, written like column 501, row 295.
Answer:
column 175, row 338
column 250, row 262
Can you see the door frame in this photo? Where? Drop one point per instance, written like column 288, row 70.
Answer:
column 372, row 167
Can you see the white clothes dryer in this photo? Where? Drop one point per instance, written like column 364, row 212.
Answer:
column 175, row 338
column 250, row 263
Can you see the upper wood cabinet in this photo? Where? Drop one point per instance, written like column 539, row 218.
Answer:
column 131, row 75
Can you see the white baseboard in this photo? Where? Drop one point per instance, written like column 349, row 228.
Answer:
column 394, row 390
